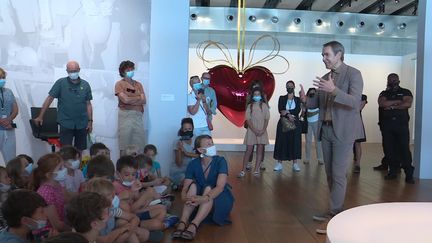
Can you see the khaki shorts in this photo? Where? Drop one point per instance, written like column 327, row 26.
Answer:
column 130, row 129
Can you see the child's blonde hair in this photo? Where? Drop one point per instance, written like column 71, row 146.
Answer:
column 100, row 186
column 132, row 150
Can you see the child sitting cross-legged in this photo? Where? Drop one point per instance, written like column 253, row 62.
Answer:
column 147, row 178
column 137, row 199
column 122, row 226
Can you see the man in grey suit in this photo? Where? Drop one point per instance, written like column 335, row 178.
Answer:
column 339, row 96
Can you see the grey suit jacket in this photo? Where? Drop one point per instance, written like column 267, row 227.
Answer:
column 346, row 118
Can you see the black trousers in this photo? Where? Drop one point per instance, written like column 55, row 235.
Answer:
column 384, row 160
column 396, row 146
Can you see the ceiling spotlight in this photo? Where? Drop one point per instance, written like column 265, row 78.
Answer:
column 381, row 25
column 340, row 23
column 230, row 18
column 318, row 22
column 274, row 19
column 361, row 24
column 193, row 16
column 402, row 26
column 252, row 18
column 297, row 20
column 396, row 1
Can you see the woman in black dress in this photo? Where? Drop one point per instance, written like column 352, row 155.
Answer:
column 288, row 141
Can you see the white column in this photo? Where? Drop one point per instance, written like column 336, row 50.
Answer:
column 423, row 116
column 167, row 96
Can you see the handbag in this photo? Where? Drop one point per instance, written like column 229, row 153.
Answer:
column 287, row 125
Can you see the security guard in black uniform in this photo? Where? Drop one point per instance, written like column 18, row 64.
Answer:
column 395, row 102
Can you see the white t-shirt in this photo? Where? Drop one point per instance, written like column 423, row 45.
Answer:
column 290, row 105
column 200, row 118
column 72, row 183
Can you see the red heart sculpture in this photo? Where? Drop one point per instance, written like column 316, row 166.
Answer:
column 232, row 89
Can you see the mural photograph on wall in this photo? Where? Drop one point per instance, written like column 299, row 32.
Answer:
column 38, row 37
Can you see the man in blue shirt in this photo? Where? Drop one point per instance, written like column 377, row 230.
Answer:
column 74, row 109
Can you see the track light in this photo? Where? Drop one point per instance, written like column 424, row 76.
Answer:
column 361, row 24
column 318, row 22
column 381, row 26
column 274, row 19
column 252, row 18
column 340, row 23
column 230, row 18
column 193, row 16
column 402, row 26
column 297, row 20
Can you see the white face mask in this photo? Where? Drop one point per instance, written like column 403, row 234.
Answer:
column 37, row 224
column 211, row 151
column 73, row 75
column 116, row 202
column 61, row 175
column 74, row 164
column 127, row 183
column 29, row 168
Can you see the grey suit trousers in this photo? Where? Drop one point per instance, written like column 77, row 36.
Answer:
column 336, row 159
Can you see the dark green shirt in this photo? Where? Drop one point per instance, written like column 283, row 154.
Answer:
column 72, row 102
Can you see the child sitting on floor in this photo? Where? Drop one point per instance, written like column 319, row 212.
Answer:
column 118, row 218
column 74, row 177
column 129, row 190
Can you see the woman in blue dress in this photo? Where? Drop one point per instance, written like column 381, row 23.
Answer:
column 206, row 193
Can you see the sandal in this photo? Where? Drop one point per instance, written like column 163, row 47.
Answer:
column 257, row 174
column 189, row 235
column 178, row 232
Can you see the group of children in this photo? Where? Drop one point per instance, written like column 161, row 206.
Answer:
column 100, row 203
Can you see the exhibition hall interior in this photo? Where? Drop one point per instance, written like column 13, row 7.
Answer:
column 258, row 121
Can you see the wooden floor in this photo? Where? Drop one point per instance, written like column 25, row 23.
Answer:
column 278, row 207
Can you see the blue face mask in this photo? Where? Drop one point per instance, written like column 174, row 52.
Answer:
column 206, row 82
column 197, row 86
column 257, row 98
column 130, row 74
column 74, row 75
column 2, row 83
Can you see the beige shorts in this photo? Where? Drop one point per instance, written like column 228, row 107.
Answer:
column 130, row 129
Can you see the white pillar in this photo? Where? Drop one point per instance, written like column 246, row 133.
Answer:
column 423, row 116
column 169, row 50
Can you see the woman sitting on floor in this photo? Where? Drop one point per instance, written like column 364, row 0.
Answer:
column 206, row 194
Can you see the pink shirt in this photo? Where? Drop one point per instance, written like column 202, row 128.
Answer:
column 119, row 188
column 53, row 195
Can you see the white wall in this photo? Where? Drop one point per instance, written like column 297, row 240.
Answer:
column 168, row 72
column 304, row 66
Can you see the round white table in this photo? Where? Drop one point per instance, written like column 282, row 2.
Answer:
column 382, row 223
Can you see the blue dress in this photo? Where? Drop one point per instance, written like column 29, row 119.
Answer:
column 224, row 202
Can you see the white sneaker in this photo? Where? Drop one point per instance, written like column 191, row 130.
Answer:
column 278, row 166
column 241, row 174
column 296, row 167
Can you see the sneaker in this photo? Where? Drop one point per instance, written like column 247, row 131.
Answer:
column 262, row 167
column 381, row 167
column 356, row 169
column 322, row 217
column 249, row 166
column 306, row 162
column 170, row 221
column 296, row 167
column 278, row 166
column 241, row 174
column 257, row 174
column 322, row 228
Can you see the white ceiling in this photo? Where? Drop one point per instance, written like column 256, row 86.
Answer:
column 321, row 5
